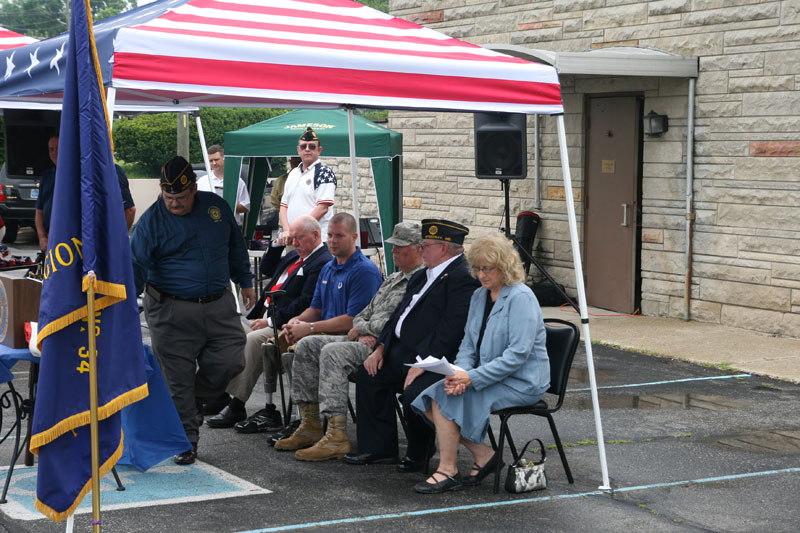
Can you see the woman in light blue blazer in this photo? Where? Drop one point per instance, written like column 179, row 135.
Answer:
column 503, row 361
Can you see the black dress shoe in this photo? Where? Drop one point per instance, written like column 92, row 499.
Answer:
column 226, row 418
column 216, row 405
column 444, row 485
column 186, row 458
column 408, row 465
column 369, row 459
column 285, row 433
column 267, row 419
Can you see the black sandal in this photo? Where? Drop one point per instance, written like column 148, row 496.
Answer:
column 447, row 484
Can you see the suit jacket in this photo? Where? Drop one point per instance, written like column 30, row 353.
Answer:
column 435, row 325
column 514, row 346
column 299, row 286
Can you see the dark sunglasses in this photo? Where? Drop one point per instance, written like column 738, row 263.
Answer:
column 310, row 146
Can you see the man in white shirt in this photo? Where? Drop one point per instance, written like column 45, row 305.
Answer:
column 216, row 159
column 309, row 189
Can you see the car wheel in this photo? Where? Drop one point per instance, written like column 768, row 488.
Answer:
column 11, row 232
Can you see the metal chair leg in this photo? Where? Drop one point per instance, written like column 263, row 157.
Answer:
column 560, row 448
column 500, row 444
column 19, row 447
column 120, row 486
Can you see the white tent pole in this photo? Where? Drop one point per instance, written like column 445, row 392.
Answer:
column 576, row 259
column 111, row 98
column 204, row 152
column 351, row 131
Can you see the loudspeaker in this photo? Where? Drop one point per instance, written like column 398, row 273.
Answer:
column 27, row 133
column 500, row 146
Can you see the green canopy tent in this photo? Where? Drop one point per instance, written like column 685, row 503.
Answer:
column 278, row 136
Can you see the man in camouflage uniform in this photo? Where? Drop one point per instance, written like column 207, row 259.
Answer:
column 323, row 363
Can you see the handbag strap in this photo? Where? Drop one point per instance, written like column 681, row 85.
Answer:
column 541, row 449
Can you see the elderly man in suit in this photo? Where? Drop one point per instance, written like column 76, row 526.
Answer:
column 296, row 274
column 428, row 321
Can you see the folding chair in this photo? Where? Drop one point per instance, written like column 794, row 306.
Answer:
column 562, row 342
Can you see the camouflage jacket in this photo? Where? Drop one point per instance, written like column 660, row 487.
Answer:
column 373, row 317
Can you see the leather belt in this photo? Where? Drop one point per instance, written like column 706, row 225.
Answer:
column 158, row 295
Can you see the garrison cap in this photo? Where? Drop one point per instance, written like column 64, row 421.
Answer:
column 309, row 135
column 177, row 175
column 444, row 230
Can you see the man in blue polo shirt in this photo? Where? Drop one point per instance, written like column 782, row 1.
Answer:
column 345, row 286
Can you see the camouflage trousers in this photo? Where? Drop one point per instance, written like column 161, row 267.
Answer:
column 321, row 368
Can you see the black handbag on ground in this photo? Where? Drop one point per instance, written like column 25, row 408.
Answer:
column 524, row 475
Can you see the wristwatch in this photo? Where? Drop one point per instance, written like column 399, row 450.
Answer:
column 311, row 327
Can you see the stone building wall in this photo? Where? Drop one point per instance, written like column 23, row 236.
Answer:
column 746, row 257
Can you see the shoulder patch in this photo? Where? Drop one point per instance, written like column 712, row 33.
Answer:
column 215, row 213
column 323, row 174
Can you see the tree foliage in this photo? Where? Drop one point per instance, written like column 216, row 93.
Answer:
column 151, row 139
column 380, row 5
column 46, row 18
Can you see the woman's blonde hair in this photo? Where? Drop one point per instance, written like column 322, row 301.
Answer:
column 497, row 251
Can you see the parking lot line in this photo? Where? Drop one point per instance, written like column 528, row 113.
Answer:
column 487, row 505
column 649, row 383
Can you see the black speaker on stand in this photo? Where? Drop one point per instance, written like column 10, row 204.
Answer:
column 500, row 146
column 501, row 153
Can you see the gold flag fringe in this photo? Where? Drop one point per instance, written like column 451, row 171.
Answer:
column 81, row 419
column 115, row 293
column 105, row 468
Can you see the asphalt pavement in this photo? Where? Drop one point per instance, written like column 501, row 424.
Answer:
column 701, row 432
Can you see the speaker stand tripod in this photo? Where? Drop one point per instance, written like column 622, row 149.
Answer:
column 506, row 186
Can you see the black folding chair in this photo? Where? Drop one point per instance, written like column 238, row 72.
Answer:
column 562, row 342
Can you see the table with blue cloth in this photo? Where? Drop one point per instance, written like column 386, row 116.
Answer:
column 151, row 427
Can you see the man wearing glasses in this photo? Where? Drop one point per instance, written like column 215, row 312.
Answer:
column 309, row 189
column 429, row 320
column 186, row 249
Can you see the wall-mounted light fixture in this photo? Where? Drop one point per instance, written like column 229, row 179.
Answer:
column 655, row 125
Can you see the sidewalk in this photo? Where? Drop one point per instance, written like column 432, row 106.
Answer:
column 697, row 342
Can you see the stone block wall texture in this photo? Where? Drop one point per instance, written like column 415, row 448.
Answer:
column 746, row 260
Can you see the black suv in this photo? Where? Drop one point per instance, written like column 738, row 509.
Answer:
column 26, row 134
column 17, row 202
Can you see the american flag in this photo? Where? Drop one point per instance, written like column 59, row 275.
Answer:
column 290, row 53
column 324, row 174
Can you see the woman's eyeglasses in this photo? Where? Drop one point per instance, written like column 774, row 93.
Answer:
column 479, row 269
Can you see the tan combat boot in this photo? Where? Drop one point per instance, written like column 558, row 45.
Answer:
column 331, row 446
column 309, row 431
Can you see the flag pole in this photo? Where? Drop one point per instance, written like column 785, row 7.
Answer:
column 93, row 405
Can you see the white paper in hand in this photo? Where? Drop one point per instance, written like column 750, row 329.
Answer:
column 432, row 364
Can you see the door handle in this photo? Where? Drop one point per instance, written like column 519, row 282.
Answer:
column 624, row 216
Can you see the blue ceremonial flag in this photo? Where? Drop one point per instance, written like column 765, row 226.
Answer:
column 87, row 233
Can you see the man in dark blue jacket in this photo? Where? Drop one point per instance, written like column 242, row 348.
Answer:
column 186, row 249
column 296, row 274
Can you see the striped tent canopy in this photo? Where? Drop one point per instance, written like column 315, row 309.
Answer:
column 12, row 39
column 288, row 53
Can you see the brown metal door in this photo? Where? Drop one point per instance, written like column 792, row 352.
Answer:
column 612, row 170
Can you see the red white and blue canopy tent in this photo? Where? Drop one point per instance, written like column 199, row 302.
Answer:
column 301, row 54
column 11, row 39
